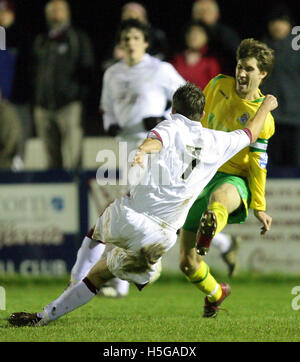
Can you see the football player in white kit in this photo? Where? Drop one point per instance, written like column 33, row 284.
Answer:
column 141, row 226
column 134, row 96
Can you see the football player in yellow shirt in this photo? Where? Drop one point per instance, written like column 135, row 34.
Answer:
column 240, row 183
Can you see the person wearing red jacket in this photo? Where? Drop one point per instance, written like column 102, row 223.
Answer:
column 196, row 64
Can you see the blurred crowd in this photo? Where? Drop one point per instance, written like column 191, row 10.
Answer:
column 46, row 83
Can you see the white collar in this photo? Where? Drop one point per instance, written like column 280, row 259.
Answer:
column 144, row 59
column 186, row 120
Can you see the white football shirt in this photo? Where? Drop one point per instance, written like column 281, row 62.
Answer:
column 190, row 157
column 130, row 94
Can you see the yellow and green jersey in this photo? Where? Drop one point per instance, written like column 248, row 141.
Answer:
column 226, row 111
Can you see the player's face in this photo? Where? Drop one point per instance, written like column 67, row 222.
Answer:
column 247, row 76
column 134, row 45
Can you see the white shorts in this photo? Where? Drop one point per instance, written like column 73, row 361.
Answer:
column 138, row 241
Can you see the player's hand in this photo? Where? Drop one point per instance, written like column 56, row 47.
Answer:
column 270, row 102
column 139, row 158
column 265, row 219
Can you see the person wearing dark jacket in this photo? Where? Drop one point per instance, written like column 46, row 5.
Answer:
column 285, row 84
column 63, row 70
column 224, row 40
column 14, row 59
column 9, row 56
column 10, row 133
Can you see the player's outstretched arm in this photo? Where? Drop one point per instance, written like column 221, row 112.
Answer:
column 148, row 146
column 256, row 124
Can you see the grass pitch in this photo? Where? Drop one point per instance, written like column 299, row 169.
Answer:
column 259, row 309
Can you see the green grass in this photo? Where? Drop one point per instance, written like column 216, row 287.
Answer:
column 259, row 309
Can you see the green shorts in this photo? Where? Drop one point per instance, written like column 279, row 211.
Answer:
column 239, row 216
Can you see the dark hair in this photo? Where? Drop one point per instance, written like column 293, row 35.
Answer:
column 198, row 23
column 7, row 5
column 251, row 48
column 134, row 23
column 280, row 12
column 184, row 31
column 189, row 101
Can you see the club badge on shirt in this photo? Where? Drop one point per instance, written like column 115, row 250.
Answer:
column 244, row 118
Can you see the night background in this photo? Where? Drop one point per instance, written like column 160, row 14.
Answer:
column 100, row 19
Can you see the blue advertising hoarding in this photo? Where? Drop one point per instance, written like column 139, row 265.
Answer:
column 39, row 222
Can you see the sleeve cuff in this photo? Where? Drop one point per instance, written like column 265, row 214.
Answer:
column 248, row 132
column 155, row 135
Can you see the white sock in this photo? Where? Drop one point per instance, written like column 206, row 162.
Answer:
column 222, row 242
column 72, row 298
column 122, row 286
column 89, row 253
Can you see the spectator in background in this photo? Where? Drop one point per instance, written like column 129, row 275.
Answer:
column 63, row 73
column 158, row 43
column 196, row 64
column 10, row 134
column 285, row 85
column 14, row 64
column 224, row 40
column 8, row 58
column 136, row 90
column 14, row 61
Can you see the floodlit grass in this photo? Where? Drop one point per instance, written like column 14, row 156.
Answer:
column 259, row 309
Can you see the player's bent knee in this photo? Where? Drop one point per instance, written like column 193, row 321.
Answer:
column 99, row 274
column 144, row 259
column 137, row 266
column 227, row 195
